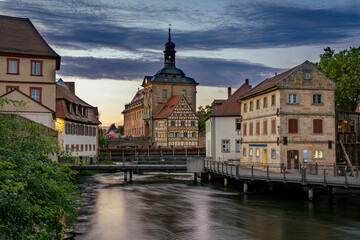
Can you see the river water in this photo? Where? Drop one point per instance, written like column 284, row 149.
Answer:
column 172, row 206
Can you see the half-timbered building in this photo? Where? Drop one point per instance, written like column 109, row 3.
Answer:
column 176, row 125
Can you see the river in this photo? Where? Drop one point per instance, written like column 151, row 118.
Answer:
column 172, row 206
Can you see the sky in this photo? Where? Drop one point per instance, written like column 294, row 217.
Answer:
column 108, row 46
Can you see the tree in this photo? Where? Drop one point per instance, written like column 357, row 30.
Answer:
column 202, row 114
column 36, row 192
column 103, row 142
column 344, row 69
column 120, row 130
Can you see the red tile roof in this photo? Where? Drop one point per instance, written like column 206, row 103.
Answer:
column 269, row 82
column 64, row 95
column 19, row 36
column 169, row 107
column 231, row 107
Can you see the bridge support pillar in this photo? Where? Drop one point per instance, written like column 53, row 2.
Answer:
column 246, row 187
column 209, row 177
column 195, row 177
column 125, row 176
column 226, row 181
column 311, row 193
column 130, row 173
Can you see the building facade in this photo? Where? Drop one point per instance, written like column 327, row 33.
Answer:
column 223, row 128
column 290, row 119
column 28, row 65
column 133, row 116
column 176, row 125
column 77, row 123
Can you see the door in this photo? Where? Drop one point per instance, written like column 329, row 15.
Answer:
column 292, row 159
column 265, row 157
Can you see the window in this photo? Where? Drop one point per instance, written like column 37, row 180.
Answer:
column 251, row 129
column 86, row 112
column 86, row 147
column 77, row 147
column 340, row 126
column 237, row 124
column 346, row 126
column 164, row 93
column 272, row 100
column 293, row 99
column 67, row 147
column 69, row 107
column 265, row 127
column 89, row 147
column 273, row 153
column 265, row 102
column 36, row 68
column 183, row 123
column 250, row 152
column 35, row 93
column 293, row 125
column 257, row 152
column 185, row 134
column 258, row 104
column 11, row 88
column 173, row 123
column 318, row 154
column 317, row 125
column 258, row 128
column 273, row 126
column 82, row 147
column 72, row 147
column 245, row 107
column 82, row 111
column 184, row 93
column 171, row 134
column 237, row 145
column 317, row 99
column 244, row 151
column 94, row 131
column 77, row 110
column 244, row 129
column 306, row 75
column 13, row 66
column 225, row 145
column 352, row 126
column 193, row 123
column 251, row 106
column 177, row 134
column 94, row 149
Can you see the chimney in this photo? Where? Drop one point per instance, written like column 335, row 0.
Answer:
column 71, row 86
column 247, row 81
column 229, row 92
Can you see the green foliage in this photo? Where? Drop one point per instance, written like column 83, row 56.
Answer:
column 120, row 130
column 202, row 114
column 35, row 192
column 103, row 142
column 344, row 69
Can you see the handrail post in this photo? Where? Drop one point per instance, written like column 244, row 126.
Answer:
column 304, row 174
column 231, row 173
column 346, row 178
column 325, row 183
column 284, row 172
column 357, row 172
column 267, row 173
column 252, row 172
column 316, row 168
column 237, row 172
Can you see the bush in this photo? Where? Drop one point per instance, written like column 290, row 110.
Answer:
column 36, row 192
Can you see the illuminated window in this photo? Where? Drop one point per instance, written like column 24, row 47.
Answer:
column 257, row 152
column 244, row 151
column 318, row 154
column 273, row 153
column 250, row 152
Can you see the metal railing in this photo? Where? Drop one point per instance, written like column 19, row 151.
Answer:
column 301, row 173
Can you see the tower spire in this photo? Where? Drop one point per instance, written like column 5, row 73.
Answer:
column 169, row 32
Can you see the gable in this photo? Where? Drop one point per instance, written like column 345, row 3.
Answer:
column 183, row 109
column 31, row 104
column 297, row 80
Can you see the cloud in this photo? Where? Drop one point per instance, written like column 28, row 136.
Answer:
column 119, row 25
column 206, row 71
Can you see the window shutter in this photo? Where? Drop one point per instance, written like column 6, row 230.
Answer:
column 257, row 128
column 244, row 130
column 317, row 123
column 273, row 126
column 295, row 125
column 265, row 126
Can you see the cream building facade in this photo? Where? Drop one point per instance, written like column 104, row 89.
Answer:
column 28, row 64
column 290, row 119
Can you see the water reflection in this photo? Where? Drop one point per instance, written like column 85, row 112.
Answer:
column 173, row 207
